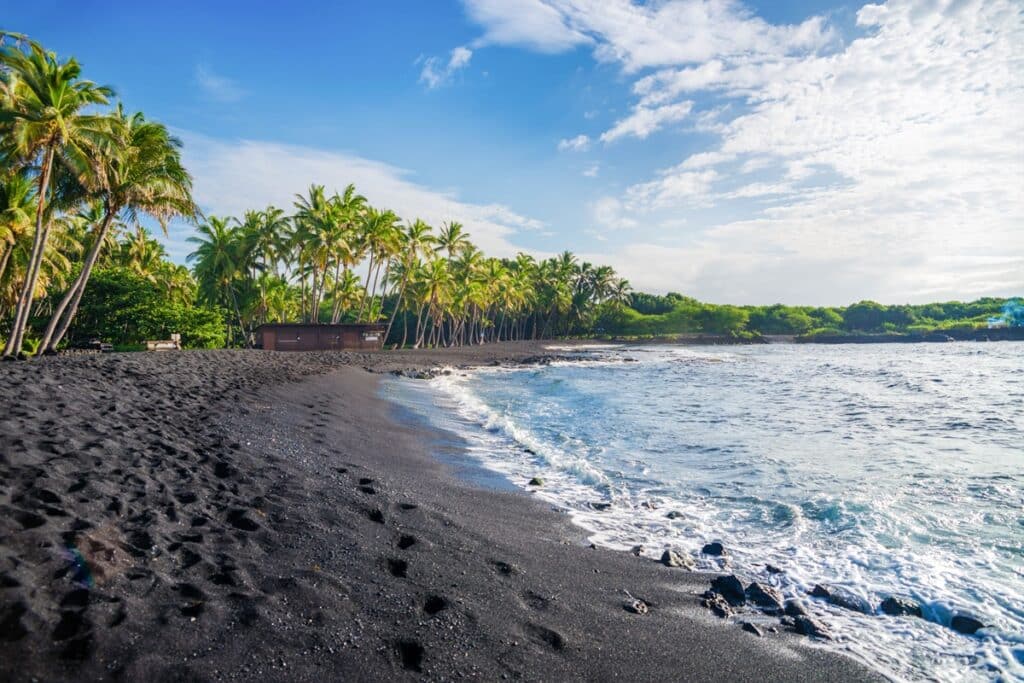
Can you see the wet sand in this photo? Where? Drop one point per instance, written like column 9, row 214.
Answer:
column 249, row 515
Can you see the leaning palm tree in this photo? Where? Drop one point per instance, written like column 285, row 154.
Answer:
column 142, row 174
column 44, row 112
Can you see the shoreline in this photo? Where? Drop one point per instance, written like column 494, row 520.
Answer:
column 255, row 515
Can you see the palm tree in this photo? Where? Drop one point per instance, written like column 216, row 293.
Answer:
column 217, row 265
column 43, row 110
column 142, row 174
column 415, row 241
column 452, row 239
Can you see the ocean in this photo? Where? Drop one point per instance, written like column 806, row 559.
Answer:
column 889, row 469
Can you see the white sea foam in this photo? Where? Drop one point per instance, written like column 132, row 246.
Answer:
column 874, row 541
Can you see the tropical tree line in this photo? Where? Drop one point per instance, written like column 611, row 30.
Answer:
column 335, row 258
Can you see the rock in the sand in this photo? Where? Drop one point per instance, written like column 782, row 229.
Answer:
column 795, row 608
column 715, row 549
column 966, row 623
column 896, row 606
column 811, row 627
column 637, row 607
column 750, row 627
column 670, row 558
column 766, row 597
column 536, row 481
column 637, row 550
column 730, row 588
column 674, row 514
column 840, row 597
column 717, row 604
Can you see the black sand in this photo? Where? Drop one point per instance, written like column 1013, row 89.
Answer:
column 261, row 516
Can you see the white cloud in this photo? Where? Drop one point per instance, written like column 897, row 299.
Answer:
column 644, row 120
column 609, row 212
column 642, row 35
column 592, row 171
column 436, row 73
column 528, row 23
column 233, row 176
column 676, row 188
column 892, row 169
column 217, row 87
column 580, row 143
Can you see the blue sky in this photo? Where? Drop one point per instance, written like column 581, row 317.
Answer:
column 802, row 152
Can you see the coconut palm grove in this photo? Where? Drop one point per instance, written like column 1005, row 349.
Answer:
column 86, row 188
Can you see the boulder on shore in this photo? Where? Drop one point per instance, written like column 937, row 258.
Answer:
column 536, row 481
column 896, row 606
column 730, row 588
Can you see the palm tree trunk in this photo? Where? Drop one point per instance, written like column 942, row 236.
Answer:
column 366, row 288
column 74, row 295
column 398, row 304
column 4, row 260
column 336, row 308
column 14, row 342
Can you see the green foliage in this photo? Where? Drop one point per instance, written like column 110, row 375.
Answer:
column 673, row 314
column 125, row 308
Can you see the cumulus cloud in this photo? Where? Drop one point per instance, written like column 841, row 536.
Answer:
column 217, row 87
column 642, row 35
column 891, row 167
column 436, row 72
column 231, row 176
column 527, row 23
column 610, row 213
column 580, row 143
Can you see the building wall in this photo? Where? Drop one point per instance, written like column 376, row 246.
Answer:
column 321, row 337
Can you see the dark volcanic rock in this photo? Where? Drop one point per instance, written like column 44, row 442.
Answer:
column 730, row 588
column 772, row 569
column 753, row 628
column 811, row 627
column 536, row 481
column 674, row 514
column 717, row 604
column 795, row 608
column 896, row 606
column 765, row 597
column 966, row 623
column 840, row 597
column 670, row 558
column 716, row 549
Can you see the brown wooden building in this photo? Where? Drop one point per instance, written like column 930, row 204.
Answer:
column 310, row 337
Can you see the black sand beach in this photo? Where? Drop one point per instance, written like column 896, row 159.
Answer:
column 247, row 515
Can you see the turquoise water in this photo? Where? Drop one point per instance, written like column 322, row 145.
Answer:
column 888, row 469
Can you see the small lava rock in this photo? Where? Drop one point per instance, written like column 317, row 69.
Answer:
column 670, row 558
column 766, row 597
column 536, row 481
column 966, row 623
column 715, row 549
column 896, row 606
column 730, row 588
column 753, row 628
column 811, row 627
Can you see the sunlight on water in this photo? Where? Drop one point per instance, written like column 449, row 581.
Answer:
column 889, row 470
